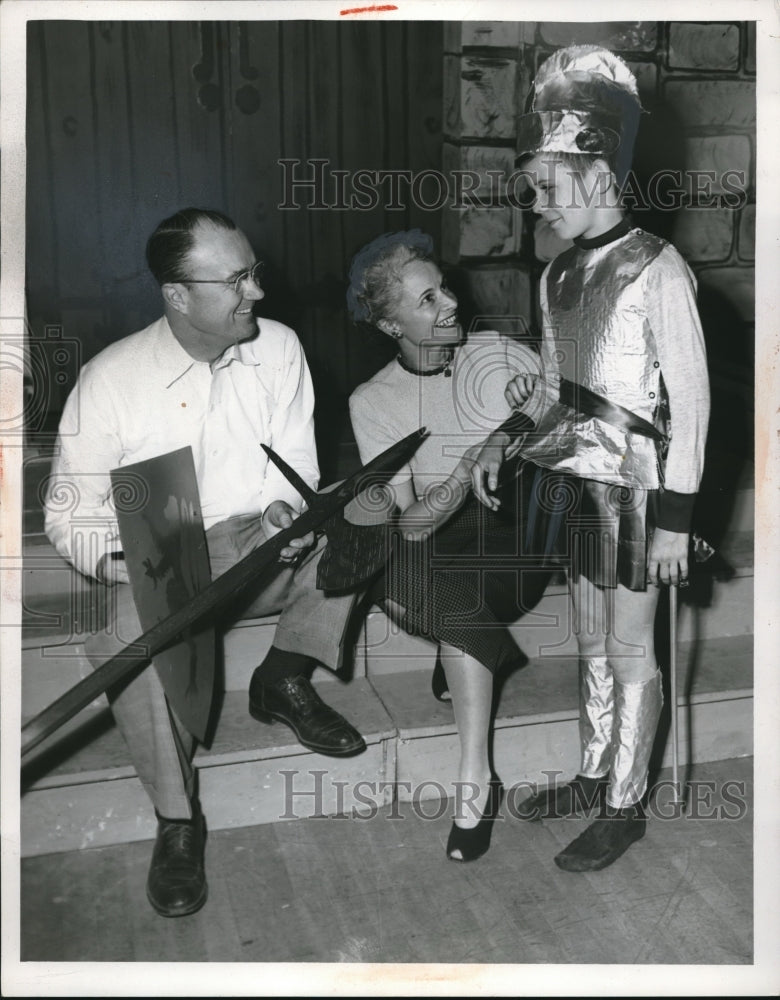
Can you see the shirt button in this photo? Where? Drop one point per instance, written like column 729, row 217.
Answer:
column 656, row 364
column 652, row 395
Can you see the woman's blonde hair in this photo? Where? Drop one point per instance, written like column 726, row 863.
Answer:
column 376, row 271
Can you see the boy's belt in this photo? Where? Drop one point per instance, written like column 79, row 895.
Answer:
column 589, row 404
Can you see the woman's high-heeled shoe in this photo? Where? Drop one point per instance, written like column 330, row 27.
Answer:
column 441, row 691
column 473, row 842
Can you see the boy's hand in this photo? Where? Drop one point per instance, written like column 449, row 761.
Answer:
column 486, row 467
column 520, row 389
column 667, row 561
column 461, row 474
column 280, row 515
column 112, row 569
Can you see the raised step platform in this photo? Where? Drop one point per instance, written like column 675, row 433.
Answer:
column 536, row 726
column 53, row 656
column 81, row 791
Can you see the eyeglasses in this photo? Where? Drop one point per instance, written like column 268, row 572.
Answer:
column 254, row 274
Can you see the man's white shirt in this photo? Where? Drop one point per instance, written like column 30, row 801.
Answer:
column 144, row 396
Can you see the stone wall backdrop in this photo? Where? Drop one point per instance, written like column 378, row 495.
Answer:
column 697, row 83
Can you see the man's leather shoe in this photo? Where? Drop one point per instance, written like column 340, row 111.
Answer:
column 176, row 884
column 294, row 701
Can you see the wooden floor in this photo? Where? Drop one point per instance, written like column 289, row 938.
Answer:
column 381, row 890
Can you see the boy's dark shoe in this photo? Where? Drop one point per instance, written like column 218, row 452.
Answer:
column 577, row 797
column 604, row 841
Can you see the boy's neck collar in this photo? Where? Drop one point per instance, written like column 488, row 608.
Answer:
column 615, row 233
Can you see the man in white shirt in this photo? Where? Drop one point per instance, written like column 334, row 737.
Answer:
column 208, row 374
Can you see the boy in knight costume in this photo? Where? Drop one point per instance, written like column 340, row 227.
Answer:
column 620, row 319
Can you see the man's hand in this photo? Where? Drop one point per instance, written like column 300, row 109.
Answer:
column 667, row 561
column 111, row 569
column 280, row 515
column 486, row 467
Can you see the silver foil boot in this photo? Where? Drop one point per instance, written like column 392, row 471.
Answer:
column 637, row 711
column 597, row 709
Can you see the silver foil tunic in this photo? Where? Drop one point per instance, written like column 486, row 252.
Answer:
column 597, row 333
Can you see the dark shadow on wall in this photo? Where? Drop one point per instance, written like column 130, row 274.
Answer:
column 369, row 351
column 658, row 167
column 720, row 508
column 660, row 160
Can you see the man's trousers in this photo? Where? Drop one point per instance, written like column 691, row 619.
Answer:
column 310, row 624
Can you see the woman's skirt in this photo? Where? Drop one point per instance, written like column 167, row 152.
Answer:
column 471, row 579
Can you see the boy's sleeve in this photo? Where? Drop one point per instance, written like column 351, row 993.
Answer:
column 674, row 320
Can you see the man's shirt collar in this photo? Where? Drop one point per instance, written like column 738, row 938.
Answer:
column 171, row 361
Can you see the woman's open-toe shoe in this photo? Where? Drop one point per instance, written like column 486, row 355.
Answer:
column 469, row 844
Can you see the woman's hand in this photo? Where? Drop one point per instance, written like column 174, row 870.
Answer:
column 486, row 467
column 667, row 561
column 278, row 516
column 440, row 500
column 520, row 389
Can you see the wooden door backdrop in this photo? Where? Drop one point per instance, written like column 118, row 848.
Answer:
column 129, row 121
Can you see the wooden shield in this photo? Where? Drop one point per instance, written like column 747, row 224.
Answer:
column 161, row 527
